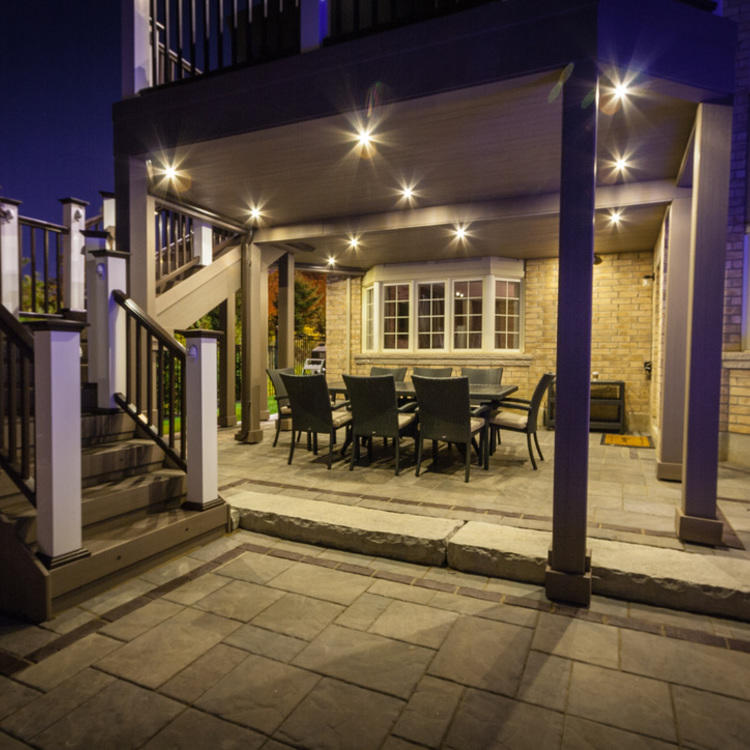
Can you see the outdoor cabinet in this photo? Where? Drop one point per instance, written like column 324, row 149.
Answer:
column 607, row 406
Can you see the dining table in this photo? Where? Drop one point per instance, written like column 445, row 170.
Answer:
column 477, row 391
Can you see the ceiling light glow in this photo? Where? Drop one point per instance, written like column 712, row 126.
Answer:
column 615, row 217
column 621, row 164
column 460, row 232
column 353, row 242
column 331, row 261
column 621, row 90
column 170, row 172
column 255, row 213
column 364, row 137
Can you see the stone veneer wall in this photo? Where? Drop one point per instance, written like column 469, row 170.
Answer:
column 621, row 335
column 735, row 416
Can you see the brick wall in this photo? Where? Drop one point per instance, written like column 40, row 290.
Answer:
column 621, row 333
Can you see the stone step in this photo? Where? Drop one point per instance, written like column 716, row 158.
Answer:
column 697, row 581
column 113, row 461
column 103, row 427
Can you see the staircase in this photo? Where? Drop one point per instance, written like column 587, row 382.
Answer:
column 132, row 519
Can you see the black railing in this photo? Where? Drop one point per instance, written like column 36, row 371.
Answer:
column 40, row 263
column 175, row 236
column 192, row 37
column 155, row 383
column 16, row 403
column 351, row 18
column 95, row 223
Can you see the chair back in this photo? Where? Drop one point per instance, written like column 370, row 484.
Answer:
column 444, row 409
column 373, row 402
column 278, row 384
column 536, row 399
column 399, row 373
column 483, row 376
column 308, row 398
column 432, row 372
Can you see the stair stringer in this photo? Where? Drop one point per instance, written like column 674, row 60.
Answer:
column 200, row 293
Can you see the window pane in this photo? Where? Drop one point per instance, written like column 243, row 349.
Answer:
column 396, row 316
column 467, row 315
column 507, row 314
column 475, row 289
column 431, row 314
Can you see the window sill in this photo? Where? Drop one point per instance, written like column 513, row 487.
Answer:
column 736, row 360
column 466, row 359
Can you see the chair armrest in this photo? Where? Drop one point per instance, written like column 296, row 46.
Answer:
column 341, row 405
column 408, row 407
column 512, row 400
column 519, row 407
column 480, row 410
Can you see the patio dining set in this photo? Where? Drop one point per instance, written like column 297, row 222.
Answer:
column 469, row 410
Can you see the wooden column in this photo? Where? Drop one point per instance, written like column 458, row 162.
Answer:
column 254, row 338
column 672, row 402
column 9, row 255
column 74, row 259
column 57, row 427
column 285, row 306
column 137, row 72
column 264, row 414
column 227, row 394
column 568, row 575
column 697, row 521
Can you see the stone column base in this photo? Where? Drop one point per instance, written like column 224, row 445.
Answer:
column 574, row 588
column 699, row 530
column 669, row 470
column 251, row 436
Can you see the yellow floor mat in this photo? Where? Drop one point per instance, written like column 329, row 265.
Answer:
column 629, row 441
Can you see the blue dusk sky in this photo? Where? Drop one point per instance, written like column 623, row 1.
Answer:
column 59, row 75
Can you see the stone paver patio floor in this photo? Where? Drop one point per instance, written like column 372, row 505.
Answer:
column 256, row 642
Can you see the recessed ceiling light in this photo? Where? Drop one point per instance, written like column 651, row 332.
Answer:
column 460, row 232
column 407, row 192
column 621, row 164
column 331, row 261
column 615, row 217
column 364, row 137
column 255, row 213
column 621, row 90
column 170, row 172
column 353, row 242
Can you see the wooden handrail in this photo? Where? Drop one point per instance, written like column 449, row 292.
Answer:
column 160, row 333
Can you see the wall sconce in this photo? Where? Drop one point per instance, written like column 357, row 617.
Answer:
column 648, row 279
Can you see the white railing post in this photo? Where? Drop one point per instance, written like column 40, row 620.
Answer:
column 108, row 216
column 137, row 70
column 106, row 271
column 74, row 259
column 57, row 427
column 9, row 254
column 202, row 431
column 314, row 24
column 203, row 237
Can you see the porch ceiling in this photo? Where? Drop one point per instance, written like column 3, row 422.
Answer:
column 485, row 143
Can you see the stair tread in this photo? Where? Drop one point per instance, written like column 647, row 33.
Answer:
column 119, row 445
column 124, row 530
column 129, row 483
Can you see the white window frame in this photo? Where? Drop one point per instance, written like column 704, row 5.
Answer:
column 486, row 270
column 483, row 297
column 446, row 316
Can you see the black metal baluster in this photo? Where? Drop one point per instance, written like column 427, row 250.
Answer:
column 183, row 411
column 20, row 263
column 46, row 270
column 154, row 10
column 25, row 417
column 138, row 369
column 167, row 41
column 13, row 353
column 32, row 287
column 4, row 346
column 233, row 35
column 192, row 38
column 221, row 33
column 58, row 268
column 160, row 390
column 167, row 241
column 206, row 36
column 171, row 399
column 180, row 32
column 128, row 361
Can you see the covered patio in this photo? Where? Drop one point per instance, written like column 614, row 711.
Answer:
column 514, row 144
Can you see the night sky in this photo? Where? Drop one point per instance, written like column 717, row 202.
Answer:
column 59, row 75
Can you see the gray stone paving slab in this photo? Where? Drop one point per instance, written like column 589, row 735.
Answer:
column 576, row 639
column 239, row 600
column 414, row 623
column 195, row 730
column 466, row 605
column 405, row 592
column 178, row 642
column 363, row 611
column 337, row 715
column 711, row 721
column 13, row 696
column 211, row 550
column 193, row 591
column 396, row 743
column 492, row 722
column 140, row 620
column 266, row 643
column 545, row 681
column 484, row 654
column 298, row 616
column 429, row 711
column 255, row 568
column 322, row 583
column 366, row 659
column 121, row 715
column 64, row 664
column 50, row 707
column 706, row 667
column 68, row 620
column 582, row 734
column 118, row 595
column 259, row 693
column 23, row 639
column 628, row 701
column 175, row 568
column 10, row 743
column 405, row 536
column 189, row 684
